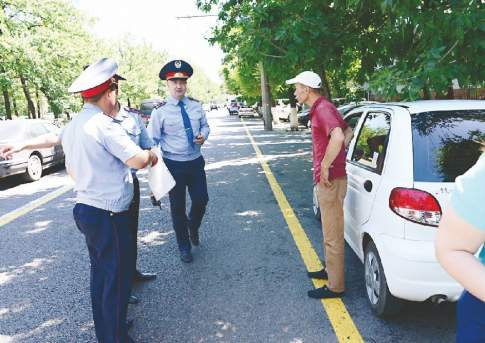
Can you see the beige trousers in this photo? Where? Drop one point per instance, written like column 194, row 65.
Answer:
column 331, row 201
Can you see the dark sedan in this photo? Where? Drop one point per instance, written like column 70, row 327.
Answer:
column 29, row 162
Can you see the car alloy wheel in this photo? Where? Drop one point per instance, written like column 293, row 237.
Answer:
column 372, row 278
column 383, row 303
column 34, row 168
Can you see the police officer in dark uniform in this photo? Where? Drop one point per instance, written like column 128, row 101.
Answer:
column 179, row 126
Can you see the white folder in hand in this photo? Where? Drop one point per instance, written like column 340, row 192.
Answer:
column 159, row 178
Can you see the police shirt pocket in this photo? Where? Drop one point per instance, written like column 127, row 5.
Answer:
column 173, row 125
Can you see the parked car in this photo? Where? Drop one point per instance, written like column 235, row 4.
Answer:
column 304, row 116
column 233, row 108
column 282, row 110
column 146, row 108
column 401, row 166
column 247, row 111
column 30, row 162
column 344, row 109
column 213, row 106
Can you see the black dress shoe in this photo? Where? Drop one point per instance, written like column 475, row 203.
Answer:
column 324, row 293
column 194, row 237
column 321, row 274
column 186, row 256
column 129, row 323
column 133, row 300
column 140, row 277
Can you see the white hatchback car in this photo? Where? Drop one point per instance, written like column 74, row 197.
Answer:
column 401, row 166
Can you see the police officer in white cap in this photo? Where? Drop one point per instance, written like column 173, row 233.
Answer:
column 180, row 127
column 99, row 155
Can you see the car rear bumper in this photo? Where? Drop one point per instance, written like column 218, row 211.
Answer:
column 412, row 271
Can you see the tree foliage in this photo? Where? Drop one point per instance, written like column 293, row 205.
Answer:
column 44, row 45
column 405, row 49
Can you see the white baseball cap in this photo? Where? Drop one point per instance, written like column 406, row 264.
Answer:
column 307, row 78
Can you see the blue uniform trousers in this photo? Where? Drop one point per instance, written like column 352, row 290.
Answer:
column 109, row 240
column 188, row 175
column 470, row 319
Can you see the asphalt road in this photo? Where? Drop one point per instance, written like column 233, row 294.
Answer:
column 247, row 283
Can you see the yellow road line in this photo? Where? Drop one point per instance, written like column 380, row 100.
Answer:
column 337, row 313
column 7, row 218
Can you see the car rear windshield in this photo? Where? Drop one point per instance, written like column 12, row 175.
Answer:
column 446, row 143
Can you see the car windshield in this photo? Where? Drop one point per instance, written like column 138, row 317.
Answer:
column 11, row 130
column 446, row 143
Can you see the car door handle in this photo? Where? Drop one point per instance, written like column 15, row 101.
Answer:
column 368, row 185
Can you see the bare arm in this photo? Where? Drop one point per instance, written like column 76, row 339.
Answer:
column 348, row 133
column 45, row 141
column 142, row 159
column 456, row 243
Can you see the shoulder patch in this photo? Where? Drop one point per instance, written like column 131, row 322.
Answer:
column 190, row 98
column 163, row 103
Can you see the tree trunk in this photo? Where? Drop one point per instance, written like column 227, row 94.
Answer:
column 266, row 99
column 426, row 93
column 450, row 94
column 6, row 100
column 293, row 111
column 39, row 114
column 28, row 97
column 15, row 109
column 325, row 85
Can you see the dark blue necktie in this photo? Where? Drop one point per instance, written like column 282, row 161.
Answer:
column 187, row 125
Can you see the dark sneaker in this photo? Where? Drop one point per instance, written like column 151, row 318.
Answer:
column 133, row 300
column 141, row 277
column 321, row 274
column 324, row 293
column 186, row 256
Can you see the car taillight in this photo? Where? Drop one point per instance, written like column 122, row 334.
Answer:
column 415, row 205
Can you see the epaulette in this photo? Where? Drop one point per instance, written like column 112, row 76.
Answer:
column 190, row 98
column 160, row 105
column 132, row 110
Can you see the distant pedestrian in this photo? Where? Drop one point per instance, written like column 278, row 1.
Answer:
column 330, row 134
column 179, row 126
column 461, row 234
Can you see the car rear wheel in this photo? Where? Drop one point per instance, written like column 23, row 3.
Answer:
column 34, row 168
column 315, row 205
column 382, row 302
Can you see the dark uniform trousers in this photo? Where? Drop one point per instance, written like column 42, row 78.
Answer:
column 188, row 175
column 134, row 214
column 109, row 240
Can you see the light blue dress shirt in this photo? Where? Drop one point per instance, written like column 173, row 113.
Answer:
column 469, row 196
column 131, row 121
column 96, row 149
column 167, row 129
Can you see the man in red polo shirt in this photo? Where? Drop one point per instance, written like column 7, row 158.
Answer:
column 330, row 135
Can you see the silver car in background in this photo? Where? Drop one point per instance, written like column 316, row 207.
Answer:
column 29, row 162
